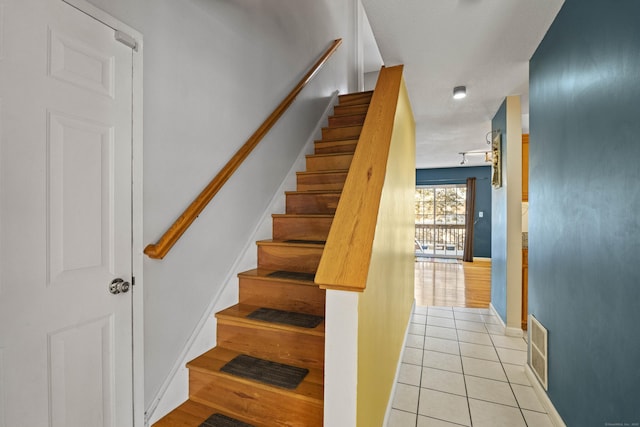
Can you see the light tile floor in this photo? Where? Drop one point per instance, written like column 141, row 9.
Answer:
column 459, row 368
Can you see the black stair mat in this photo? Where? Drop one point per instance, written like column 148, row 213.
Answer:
column 281, row 274
column 219, row 420
column 292, row 318
column 265, row 371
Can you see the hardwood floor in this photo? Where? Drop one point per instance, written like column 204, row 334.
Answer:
column 453, row 283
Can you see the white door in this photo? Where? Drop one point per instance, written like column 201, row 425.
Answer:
column 65, row 219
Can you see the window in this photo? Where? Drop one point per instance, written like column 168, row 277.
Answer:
column 440, row 220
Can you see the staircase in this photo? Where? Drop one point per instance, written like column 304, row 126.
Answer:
column 282, row 287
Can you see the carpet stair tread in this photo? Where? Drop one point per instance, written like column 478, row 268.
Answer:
column 239, row 314
column 211, row 363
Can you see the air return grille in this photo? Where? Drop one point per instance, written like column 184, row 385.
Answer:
column 538, row 350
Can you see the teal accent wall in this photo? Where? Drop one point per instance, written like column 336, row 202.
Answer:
column 499, row 225
column 584, row 204
column 482, row 228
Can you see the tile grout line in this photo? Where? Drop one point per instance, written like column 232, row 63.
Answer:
column 510, row 385
column 445, row 370
column 464, row 379
column 421, row 368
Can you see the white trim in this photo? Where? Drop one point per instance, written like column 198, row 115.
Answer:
column 137, row 243
column 397, row 376
column 106, row 19
column 481, row 259
column 512, row 187
column 508, row 331
column 174, row 389
column 514, row 332
column 554, row 416
column 341, row 358
column 358, row 45
column 495, row 313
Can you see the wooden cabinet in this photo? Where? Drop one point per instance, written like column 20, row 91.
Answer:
column 525, row 287
column 525, row 167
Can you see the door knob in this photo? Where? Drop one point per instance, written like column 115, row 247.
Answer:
column 118, row 286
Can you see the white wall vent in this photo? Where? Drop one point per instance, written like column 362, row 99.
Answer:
column 538, row 351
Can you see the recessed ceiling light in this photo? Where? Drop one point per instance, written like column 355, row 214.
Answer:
column 459, row 92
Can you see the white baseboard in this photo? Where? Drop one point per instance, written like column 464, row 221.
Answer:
column 495, row 313
column 508, row 331
column 395, row 378
column 514, row 332
column 554, row 416
column 481, row 259
column 175, row 389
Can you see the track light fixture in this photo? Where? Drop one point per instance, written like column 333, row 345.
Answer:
column 465, row 160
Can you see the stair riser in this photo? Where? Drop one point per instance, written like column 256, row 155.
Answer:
column 289, row 258
column 334, row 147
column 347, row 120
column 287, row 347
column 301, row 228
column 355, row 98
column 324, row 163
column 266, row 407
column 307, row 299
column 331, row 134
column 350, row 109
column 324, row 181
column 312, row 203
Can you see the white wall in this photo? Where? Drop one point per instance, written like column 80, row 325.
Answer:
column 213, row 70
column 370, row 80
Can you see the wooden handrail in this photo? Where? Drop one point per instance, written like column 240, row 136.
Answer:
column 347, row 252
column 177, row 229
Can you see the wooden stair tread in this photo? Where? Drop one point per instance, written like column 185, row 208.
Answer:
column 343, row 141
column 355, row 102
column 356, row 97
column 350, row 113
column 337, row 133
column 300, row 243
column 188, row 414
column 340, row 110
column 334, row 171
column 342, row 126
column 310, row 192
column 346, row 119
column 192, row 414
column 327, row 155
column 238, row 314
column 263, row 274
column 285, row 215
column 353, row 139
column 310, row 389
column 352, row 94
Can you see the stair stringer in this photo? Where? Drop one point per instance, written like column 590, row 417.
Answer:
column 175, row 388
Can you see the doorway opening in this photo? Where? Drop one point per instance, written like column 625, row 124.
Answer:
column 440, row 221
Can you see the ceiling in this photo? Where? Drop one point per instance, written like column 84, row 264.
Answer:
column 484, row 45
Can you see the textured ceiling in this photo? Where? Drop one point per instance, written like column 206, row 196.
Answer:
column 482, row 44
